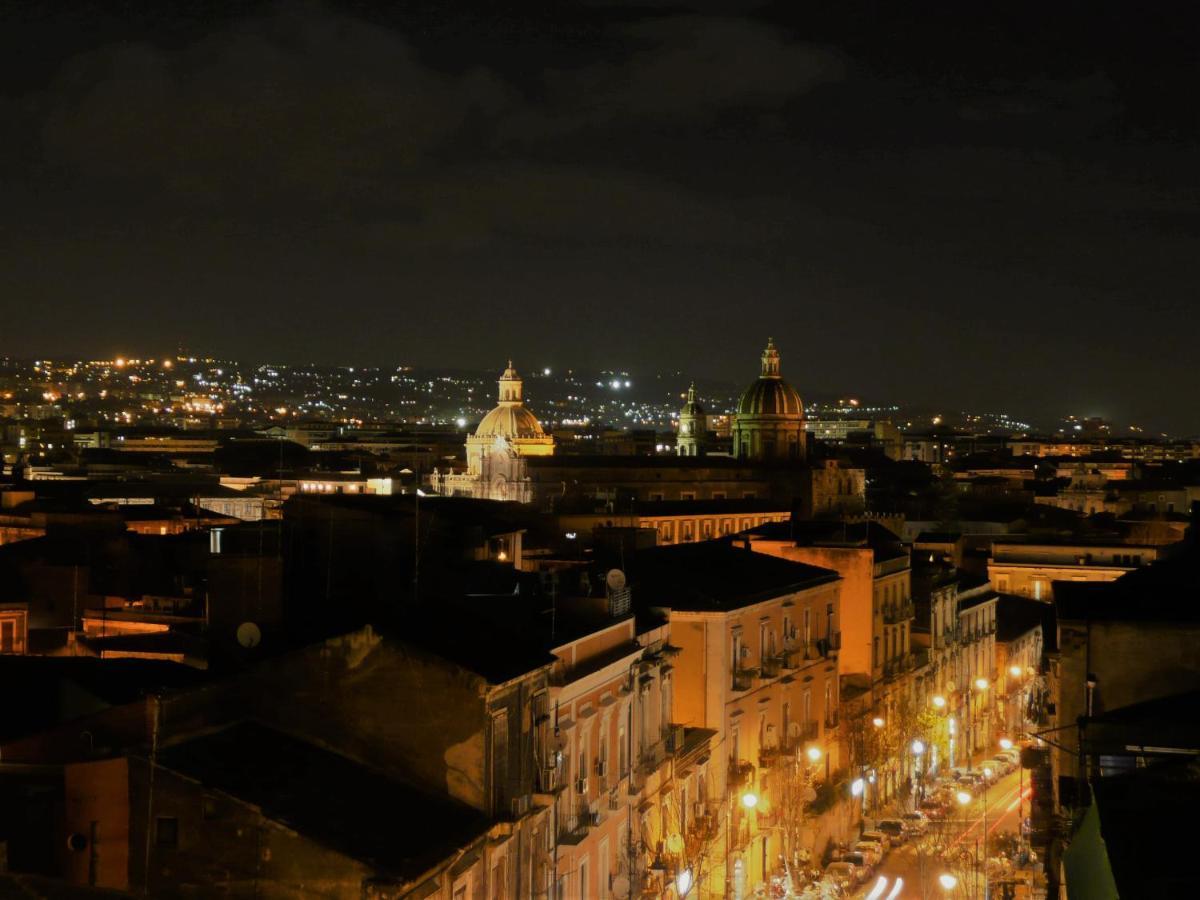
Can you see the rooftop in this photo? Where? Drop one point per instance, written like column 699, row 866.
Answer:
column 329, row 798
column 1167, row 590
column 717, row 576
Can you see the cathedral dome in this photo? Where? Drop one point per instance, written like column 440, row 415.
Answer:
column 510, row 422
column 770, row 395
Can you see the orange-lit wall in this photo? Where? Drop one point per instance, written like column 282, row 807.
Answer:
column 96, row 796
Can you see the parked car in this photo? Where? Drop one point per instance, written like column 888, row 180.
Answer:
column 934, row 808
column 872, row 851
column 1001, row 764
column 880, row 837
column 895, row 829
column 862, row 865
column 843, row 874
column 915, row 822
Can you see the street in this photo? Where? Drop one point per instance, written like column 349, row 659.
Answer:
column 950, row 846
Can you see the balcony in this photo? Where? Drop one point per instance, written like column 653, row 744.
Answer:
column 575, row 829
column 740, row 772
column 743, row 679
column 770, row 667
column 829, row 646
column 896, row 613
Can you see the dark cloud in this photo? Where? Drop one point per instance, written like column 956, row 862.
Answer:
column 988, row 209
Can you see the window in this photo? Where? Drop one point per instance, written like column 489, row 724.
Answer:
column 687, row 495
column 8, row 636
column 875, row 652
column 718, row 495
column 762, row 642
column 166, row 832
column 807, row 627
column 499, row 758
column 622, row 751
column 583, row 880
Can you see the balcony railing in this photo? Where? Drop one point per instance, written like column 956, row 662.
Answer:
column 743, row 679
column 896, row 613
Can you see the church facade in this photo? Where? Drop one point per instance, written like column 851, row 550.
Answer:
column 498, row 449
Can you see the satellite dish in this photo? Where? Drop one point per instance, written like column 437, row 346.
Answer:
column 615, row 579
column 249, row 635
column 620, row 886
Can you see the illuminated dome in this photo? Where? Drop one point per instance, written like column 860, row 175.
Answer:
column 510, row 422
column 769, row 421
column 770, row 395
column 510, row 425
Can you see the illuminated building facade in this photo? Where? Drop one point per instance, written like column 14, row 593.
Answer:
column 497, row 450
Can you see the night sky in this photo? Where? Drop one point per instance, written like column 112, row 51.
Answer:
column 990, row 206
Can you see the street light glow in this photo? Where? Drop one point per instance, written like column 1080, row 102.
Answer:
column 683, row 882
column 814, row 753
column 963, row 798
column 856, row 787
column 981, row 684
column 1014, row 671
column 947, row 881
column 877, row 722
column 749, row 799
column 939, row 701
column 987, row 772
column 918, row 747
column 1006, row 743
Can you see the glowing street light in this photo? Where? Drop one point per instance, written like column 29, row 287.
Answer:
column 963, row 798
column 749, row 799
column 987, row 772
column 856, row 787
column 918, row 747
column 981, row 684
column 1014, row 671
column 814, row 754
column 939, row 701
column 947, row 881
column 683, row 882
column 877, row 722
column 1006, row 743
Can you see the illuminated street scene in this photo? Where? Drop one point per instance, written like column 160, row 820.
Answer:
column 598, row 450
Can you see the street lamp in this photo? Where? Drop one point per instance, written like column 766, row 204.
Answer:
column 814, row 754
column 856, row 787
column 1014, row 671
column 939, row 701
column 963, row 798
column 877, row 722
column 947, row 881
column 918, row 747
column 981, row 684
column 1006, row 743
column 749, row 799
